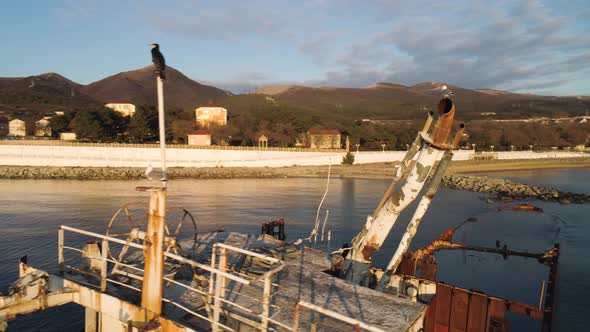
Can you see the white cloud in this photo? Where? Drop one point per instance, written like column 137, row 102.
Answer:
column 508, row 45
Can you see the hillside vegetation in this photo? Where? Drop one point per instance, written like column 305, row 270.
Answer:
column 370, row 116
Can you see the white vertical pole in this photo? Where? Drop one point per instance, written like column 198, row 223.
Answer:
column 266, row 294
column 161, row 124
column 104, row 266
column 60, row 249
column 324, row 225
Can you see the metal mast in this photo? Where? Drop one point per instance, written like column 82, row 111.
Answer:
column 429, row 149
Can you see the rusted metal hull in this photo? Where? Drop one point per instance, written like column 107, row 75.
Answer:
column 456, row 309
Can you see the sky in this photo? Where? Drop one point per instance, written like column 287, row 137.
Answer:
column 531, row 46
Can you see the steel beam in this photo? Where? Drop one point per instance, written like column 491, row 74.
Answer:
column 152, row 290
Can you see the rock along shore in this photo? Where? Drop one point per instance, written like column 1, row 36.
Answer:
column 505, row 190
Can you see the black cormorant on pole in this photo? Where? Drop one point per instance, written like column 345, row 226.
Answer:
column 158, row 60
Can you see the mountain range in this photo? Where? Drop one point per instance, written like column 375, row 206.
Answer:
column 50, row 92
column 395, row 101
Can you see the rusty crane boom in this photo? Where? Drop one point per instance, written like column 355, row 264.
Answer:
column 428, row 156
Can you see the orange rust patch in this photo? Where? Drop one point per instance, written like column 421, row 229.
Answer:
column 370, row 248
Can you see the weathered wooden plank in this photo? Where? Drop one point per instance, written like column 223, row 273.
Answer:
column 459, row 310
column 444, row 294
column 496, row 312
column 478, row 310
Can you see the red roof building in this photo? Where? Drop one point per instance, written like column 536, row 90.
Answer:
column 324, row 139
column 316, row 131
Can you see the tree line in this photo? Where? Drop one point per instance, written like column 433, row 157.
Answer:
column 283, row 129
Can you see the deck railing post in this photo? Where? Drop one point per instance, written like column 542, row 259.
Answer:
column 266, row 302
column 103, row 267
column 296, row 317
column 60, row 249
column 212, row 276
column 219, row 289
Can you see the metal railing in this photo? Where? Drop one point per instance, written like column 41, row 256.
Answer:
column 169, row 146
column 215, row 302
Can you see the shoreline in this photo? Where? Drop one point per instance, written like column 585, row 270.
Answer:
column 361, row 171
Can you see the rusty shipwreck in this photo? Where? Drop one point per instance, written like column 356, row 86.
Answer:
column 141, row 276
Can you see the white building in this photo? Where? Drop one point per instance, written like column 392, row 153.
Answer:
column 199, row 137
column 42, row 128
column 67, row 136
column 17, row 127
column 209, row 114
column 126, row 109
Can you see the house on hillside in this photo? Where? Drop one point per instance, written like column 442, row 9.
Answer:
column 17, row 127
column 125, row 108
column 42, row 127
column 68, row 136
column 324, row 139
column 209, row 114
column 199, row 137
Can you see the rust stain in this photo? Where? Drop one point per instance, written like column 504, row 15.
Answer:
column 370, row 248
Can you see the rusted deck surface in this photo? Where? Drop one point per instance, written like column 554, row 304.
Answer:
column 303, row 278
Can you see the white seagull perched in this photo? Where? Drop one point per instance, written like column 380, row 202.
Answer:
column 446, row 92
column 154, row 174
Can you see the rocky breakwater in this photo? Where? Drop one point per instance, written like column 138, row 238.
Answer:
column 507, row 190
column 123, row 173
column 24, row 172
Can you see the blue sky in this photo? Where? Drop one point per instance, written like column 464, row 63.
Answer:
column 524, row 46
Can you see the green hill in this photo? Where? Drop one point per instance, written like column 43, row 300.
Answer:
column 41, row 94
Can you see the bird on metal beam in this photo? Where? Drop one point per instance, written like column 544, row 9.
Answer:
column 446, row 92
column 158, row 60
column 154, row 174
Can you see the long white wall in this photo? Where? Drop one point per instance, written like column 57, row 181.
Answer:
column 90, row 156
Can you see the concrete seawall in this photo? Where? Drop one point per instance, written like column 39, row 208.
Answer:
column 102, row 155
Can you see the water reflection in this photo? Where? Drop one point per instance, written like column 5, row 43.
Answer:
column 31, row 210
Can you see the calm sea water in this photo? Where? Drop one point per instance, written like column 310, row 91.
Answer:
column 31, row 210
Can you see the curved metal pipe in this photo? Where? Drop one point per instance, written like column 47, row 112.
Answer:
column 428, row 122
column 458, row 136
column 446, row 112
